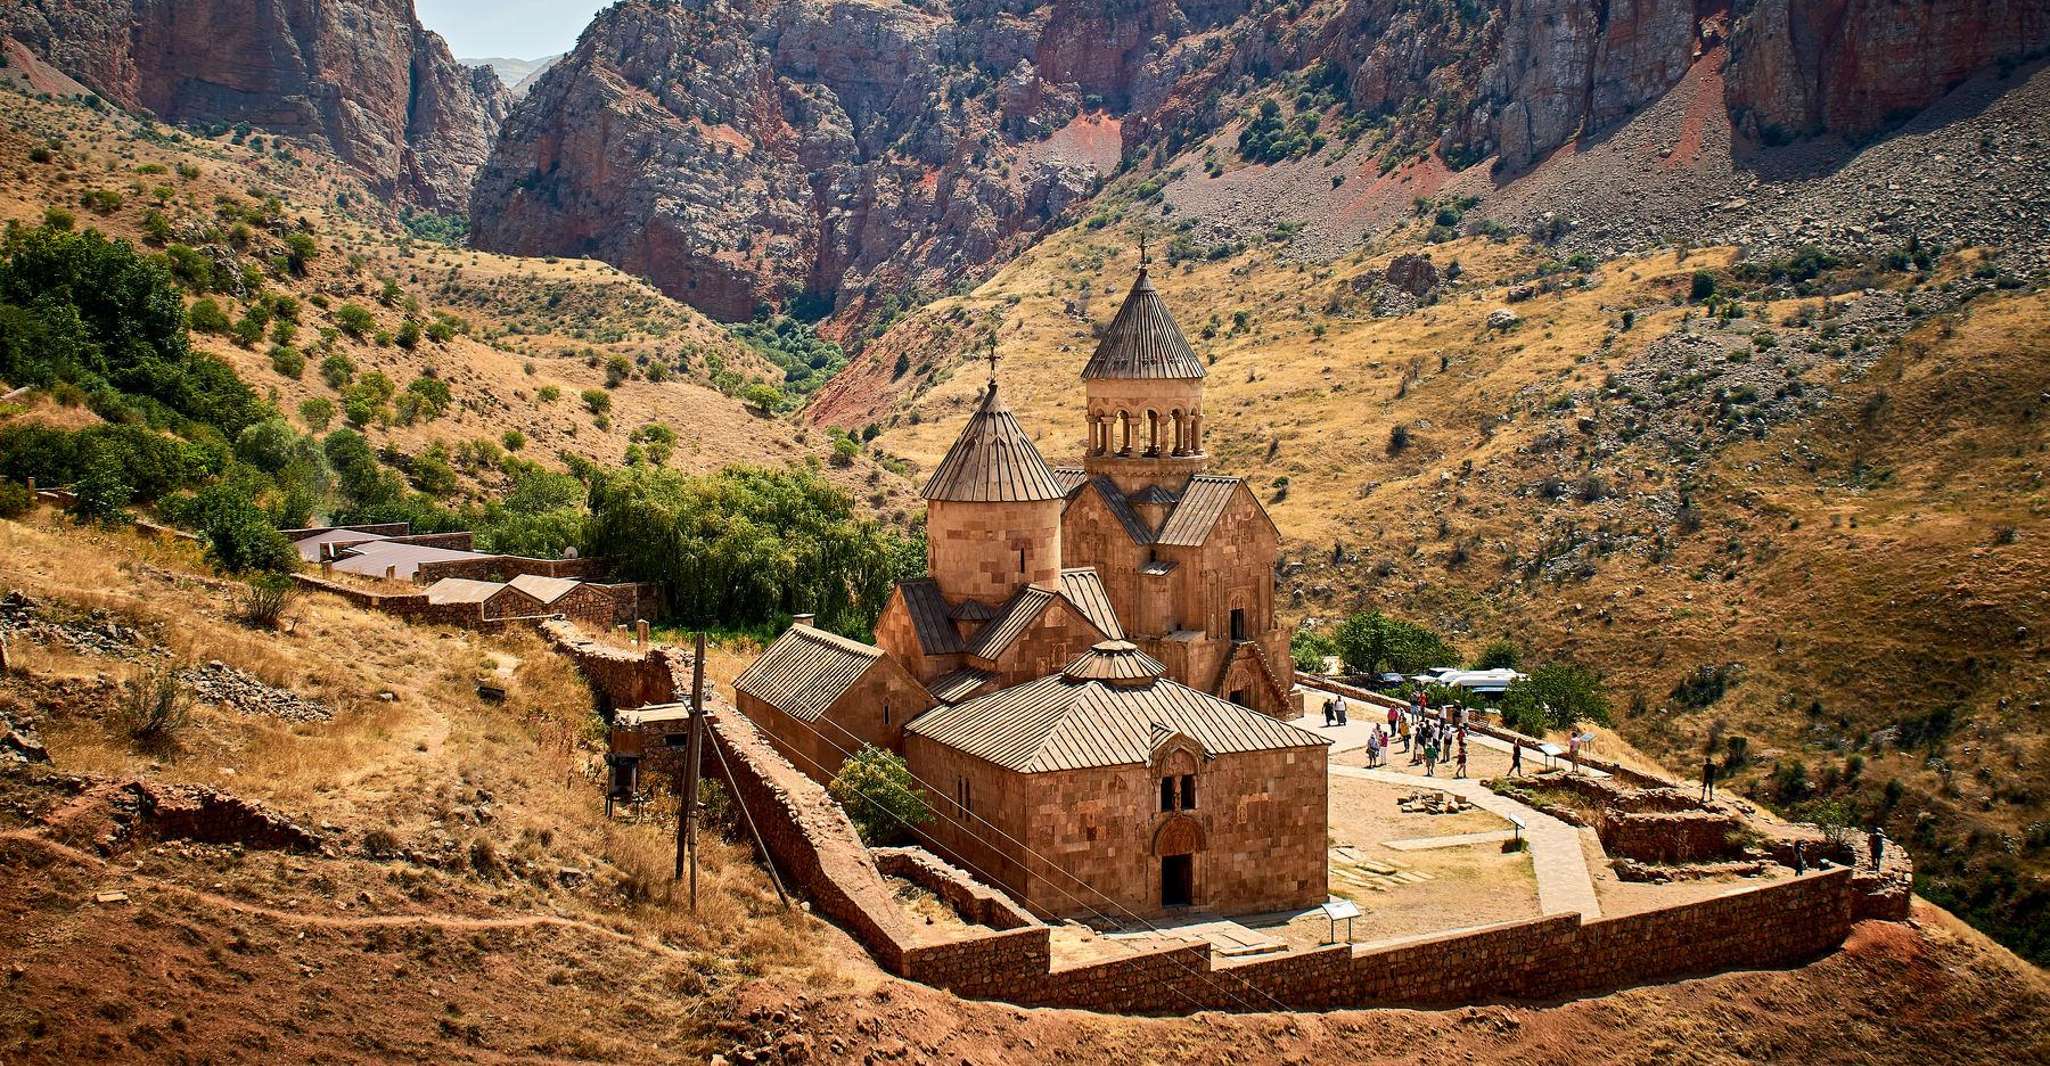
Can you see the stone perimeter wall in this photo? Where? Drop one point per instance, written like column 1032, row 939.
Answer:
column 815, row 849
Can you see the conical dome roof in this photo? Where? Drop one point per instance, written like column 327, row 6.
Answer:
column 1143, row 341
column 1115, row 661
column 993, row 461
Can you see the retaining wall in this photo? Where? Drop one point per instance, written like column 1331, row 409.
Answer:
column 814, row 847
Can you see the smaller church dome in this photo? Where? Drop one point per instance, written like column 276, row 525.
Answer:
column 1114, row 660
column 993, row 461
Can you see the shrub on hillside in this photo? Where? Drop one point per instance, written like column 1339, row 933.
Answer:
column 264, row 600
column 1555, row 696
column 155, row 704
column 101, row 495
column 15, row 499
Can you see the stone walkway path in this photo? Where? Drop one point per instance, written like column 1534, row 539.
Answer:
column 1564, row 884
column 1361, row 719
column 1494, row 836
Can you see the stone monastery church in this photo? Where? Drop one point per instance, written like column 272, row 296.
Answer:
column 1089, row 684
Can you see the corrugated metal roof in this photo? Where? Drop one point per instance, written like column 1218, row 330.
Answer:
column 1158, row 567
column 1061, row 723
column 1114, row 498
column 1153, row 494
column 1115, row 660
column 1188, row 525
column 972, row 611
column 462, row 590
column 930, row 619
column 1070, row 478
column 1024, row 609
column 959, row 685
column 545, row 589
column 993, row 461
column 371, row 559
column 805, row 670
column 1084, row 588
column 1143, row 341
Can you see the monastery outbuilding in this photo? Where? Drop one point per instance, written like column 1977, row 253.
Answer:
column 1090, row 681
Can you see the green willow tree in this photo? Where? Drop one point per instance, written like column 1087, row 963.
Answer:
column 747, row 545
column 1372, row 642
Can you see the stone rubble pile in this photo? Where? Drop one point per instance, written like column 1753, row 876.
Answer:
column 219, row 683
column 1432, row 802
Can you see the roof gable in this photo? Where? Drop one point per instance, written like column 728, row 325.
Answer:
column 1058, row 723
column 805, row 670
column 1204, row 501
column 931, row 622
column 545, row 589
column 1113, row 500
column 1083, row 587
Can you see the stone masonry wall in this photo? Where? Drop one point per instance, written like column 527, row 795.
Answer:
column 815, row 849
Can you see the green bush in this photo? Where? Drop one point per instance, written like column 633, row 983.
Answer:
column 15, row 499
column 880, row 796
column 206, row 316
column 287, row 360
column 355, row 320
column 1555, row 696
column 597, row 400
column 1309, row 649
column 337, row 370
column 317, row 412
column 239, row 536
column 102, row 495
column 1372, row 642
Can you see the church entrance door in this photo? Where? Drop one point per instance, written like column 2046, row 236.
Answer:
column 1177, row 880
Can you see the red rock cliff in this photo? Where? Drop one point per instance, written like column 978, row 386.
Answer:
column 363, row 76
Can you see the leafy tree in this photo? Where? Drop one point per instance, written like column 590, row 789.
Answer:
column 762, row 397
column 880, row 796
column 206, row 316
column 355, row 320
column 267, row 445
column 101, row 495
column 1372, row 642
column 238, row 534
column 15, row 499
column 745, row 545
column 1555, row 696
column 1309, row 649
column 1499, row 655
column 81, row 309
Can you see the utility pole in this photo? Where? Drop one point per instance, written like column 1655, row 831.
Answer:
column 686, row 821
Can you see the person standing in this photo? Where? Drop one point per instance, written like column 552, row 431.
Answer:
column 1341, row 708
column 1800, row 858
column 1461, row 770
column 1402, row 727
column 1708, row 779
column 1878, row 842
column 1515, row 758
column 1431, row 754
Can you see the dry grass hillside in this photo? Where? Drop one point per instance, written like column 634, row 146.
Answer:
column 531, row 338
column 468, row 902
column 1817, row 526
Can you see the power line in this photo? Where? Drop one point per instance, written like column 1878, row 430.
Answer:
column 986, row 875
column 1028, row 849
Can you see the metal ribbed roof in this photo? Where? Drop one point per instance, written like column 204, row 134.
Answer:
column 993, row 461
column 1153, row 494
column 972, row 611
column 930, row 619
column 1070, row 478
column 805, row 670
column 372, row 558
column 1018, row 615
column 1143, row 341
column 1114, row 660
column 1114, row 498
column 545, row 589
column 1061, row 723
column 1188, row 525
column 1083, row 587
column 957, row 686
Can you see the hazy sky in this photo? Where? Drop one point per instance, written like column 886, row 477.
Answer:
column 511, row 29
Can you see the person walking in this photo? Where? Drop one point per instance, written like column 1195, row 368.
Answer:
column 1341, row 708
column 1708, row 779
column 1461, row 770
column 1515, row 758
column 1330, row 711
column 1878, row 842
column 1431, row 755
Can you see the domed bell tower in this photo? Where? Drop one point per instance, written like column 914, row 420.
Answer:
column 993, row 509
column 1145, row 398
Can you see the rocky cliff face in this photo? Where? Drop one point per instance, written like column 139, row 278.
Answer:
column 363, row 76
column 1801, row 68
column 748, row 151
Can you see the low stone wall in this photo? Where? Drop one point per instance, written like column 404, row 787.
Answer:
column 623, row 677
column 971, row 899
